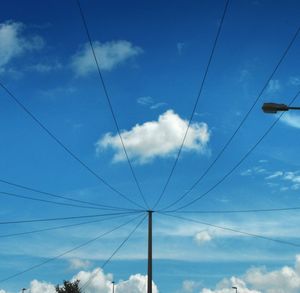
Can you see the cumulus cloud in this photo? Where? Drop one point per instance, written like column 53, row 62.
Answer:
column 41, row 287
column 160, row 138
column 136, row 284
column 109, row 54
column 189, row 286
column 226, row 285
column 77, row 263
column 203, row 237
column 257, row 280
column 13, row 43
column 292, row 120
column 97, row 281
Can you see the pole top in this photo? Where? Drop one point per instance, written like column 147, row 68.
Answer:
column 150, row 211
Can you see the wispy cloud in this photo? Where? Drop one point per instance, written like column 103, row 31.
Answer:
column 180, row 46
column 44, row 67
column 275, row 175
column 77, row 263
column 150, row 102
column 274, row 86
column 145, row 101
column 109, row 54
column 253, row 171
column 154, row 139
column 13, row 42
column 294, row 80
column 292, row 120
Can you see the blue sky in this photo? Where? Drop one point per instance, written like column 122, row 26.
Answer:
column 153, row 56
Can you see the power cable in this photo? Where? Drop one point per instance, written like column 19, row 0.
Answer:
column 235, row 211
column 241, row 123
column 239, row 162
column 109, row 101
column 114, row 253
column 61, row 227
column 59, row 196
column 61, row 144
column 52, row 202
column 195, row 104
column 63, row 218
column 235, row 231
column 66, row 252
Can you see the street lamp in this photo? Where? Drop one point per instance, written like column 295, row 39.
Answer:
column 272, row 108
column 113, row 286
column 23, row 290
column 235, row 289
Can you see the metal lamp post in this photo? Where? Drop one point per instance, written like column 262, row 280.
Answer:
column 236, row 290
column 23, row 290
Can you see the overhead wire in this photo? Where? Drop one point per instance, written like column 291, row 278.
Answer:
column 86, row 28
column 68, row 198
column 61, row 227
column 114, row 252
column 234, row 230
column 195, row 104
column 66, row 252
column 240, row 161
column 63, row 218
column 235, row 211
column 282, row 57
column 68, row 150
column 54, row 202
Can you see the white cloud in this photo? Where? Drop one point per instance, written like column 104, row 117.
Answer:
column 203, row 237
column 294, row 80
column 136, row 284
column 45, row 68
column 41, row 287
column 226, row 285
column 254, row 171
column 292, row 177
column 180, row 46
column 109, row 54
column 158, row 105
column 275, row 175
column 96, row 281
column 145, row 101
column 149, row 102
column 283, row 280
column 160, row 138
column 13, row 44
column 292, row 120
column 77, row 263
column 274, row 86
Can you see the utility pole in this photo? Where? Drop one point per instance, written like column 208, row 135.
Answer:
column 149, row 285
